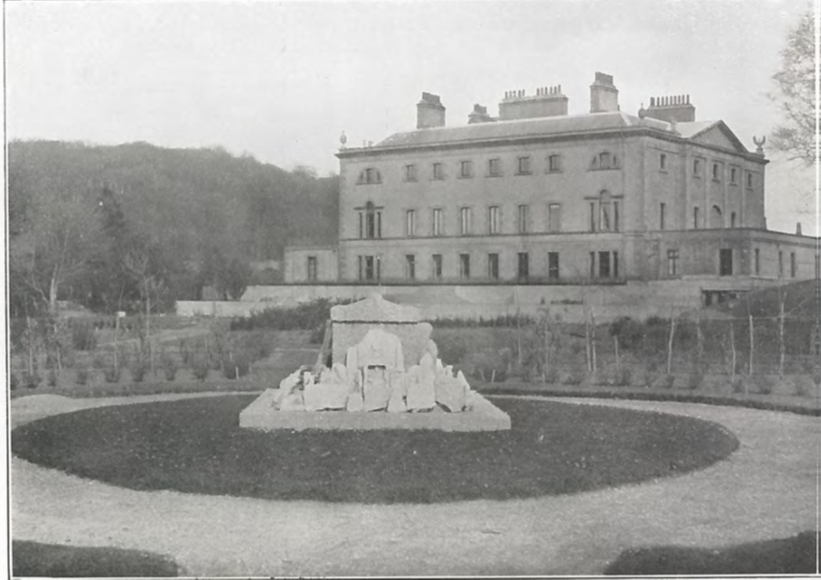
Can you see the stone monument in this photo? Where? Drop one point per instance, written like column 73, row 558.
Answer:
column 385, row 374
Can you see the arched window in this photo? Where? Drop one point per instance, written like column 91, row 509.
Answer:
column 369, row 175
column 716, row 219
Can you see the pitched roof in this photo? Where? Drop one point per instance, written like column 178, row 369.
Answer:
column 559, row 125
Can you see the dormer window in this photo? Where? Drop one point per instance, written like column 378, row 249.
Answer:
column 369, row 176
column 605, row 160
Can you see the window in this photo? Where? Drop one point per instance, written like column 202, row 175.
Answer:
column 672, row 262
column 494, row 219
column 410, row 223
column 465, row 221
column 524, row 166
column 466, row 169
column 663, row 162
column 733, row 175
column 370, row 222
column 554, row 217
column 793, row 265
column 732, row 219
column 553, row 164
column 464, row 266
column 604, row 264
column 522, row 219
column 410, row 172
column 697, row 167
column 410, row 267
column 312, row 268
column 437, row 222
column 553, row 265
column 757, row 261
column 438, row 171
column 604, row 160
column 725, row 262
column 662, row 207
column 749, row 179
column 606, row 219
column 369, row 176
column 369, row 267
column 695, row 218
column 437, row 266
column 523, row 271
column 780, row 263
column 494, row 167
column 716, row 174
column 493, row 266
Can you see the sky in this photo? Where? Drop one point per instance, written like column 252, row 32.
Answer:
column 282, row 80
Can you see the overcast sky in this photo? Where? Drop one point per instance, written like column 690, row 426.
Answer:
column 283, row 80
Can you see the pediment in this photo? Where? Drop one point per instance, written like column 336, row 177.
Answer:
column 719, row 135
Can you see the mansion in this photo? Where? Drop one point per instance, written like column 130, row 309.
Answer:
column 539, row 197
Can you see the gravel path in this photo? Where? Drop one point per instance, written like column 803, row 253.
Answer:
column 767, row 489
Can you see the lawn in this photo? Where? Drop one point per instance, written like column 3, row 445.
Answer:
column 50, row 560
column 796, row 555
column 196, row 446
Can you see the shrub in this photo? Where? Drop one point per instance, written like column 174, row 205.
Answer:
column 185, row 353
column 200, row 366
column 138, row 368
column 669, row 381
column 83, row 336
column 82, row 375
column 234, row 367
column 695, row 380
column 31, row 380
column 552, row 375
column 574, row 377
column 51, row 379
column 738, row 385
column 111, row 374
column 763, row 384
column 98, row 362
column 169, row 367
column 649, row 378
column 624, row 377
column 630, row 332
column 803, row 385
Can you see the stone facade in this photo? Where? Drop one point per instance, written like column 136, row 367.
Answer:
column 541, row 197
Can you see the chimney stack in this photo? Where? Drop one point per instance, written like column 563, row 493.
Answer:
column 798, row 229
column 430, row 112
column 672, row 108
column 547, row 102
column 604, row 96
column 479, row 115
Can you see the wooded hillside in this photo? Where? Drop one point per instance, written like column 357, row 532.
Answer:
column 187, row 217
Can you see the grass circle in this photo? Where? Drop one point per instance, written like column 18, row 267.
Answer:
column 196, row 446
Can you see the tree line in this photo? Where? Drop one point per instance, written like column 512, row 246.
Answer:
column 135, row 227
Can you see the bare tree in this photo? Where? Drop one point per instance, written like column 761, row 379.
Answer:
column 55, row 243
column 796, row 93
column 138, row 265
